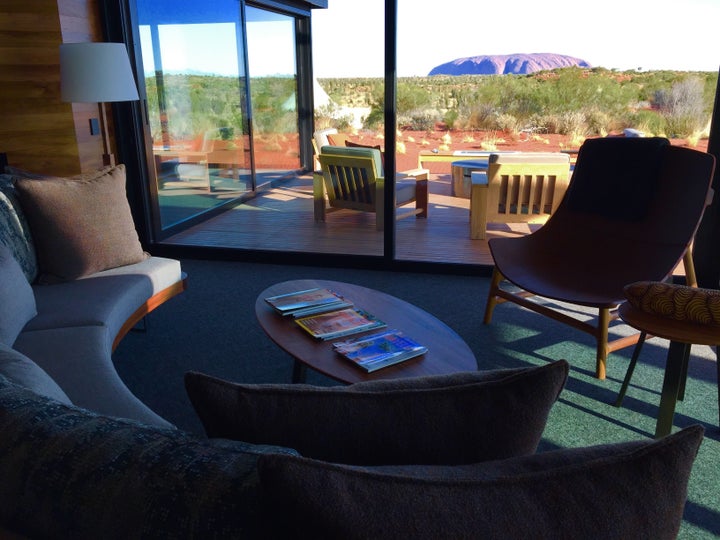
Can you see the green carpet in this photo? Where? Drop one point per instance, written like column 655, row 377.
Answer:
column 212, row 328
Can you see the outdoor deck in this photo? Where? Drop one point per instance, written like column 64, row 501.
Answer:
column 281, row 219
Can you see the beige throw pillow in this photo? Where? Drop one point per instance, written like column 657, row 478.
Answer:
column 80, row 225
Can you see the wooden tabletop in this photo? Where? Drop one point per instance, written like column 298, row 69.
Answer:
column 447, row 352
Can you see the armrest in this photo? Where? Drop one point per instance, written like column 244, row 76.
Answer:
column 417, row 174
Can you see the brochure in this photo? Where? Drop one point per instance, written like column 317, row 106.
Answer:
column 339, row 323
column 379, row 350
column 307, row 302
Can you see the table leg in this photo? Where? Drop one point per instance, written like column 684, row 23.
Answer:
column 671, row 386
column 299, row 372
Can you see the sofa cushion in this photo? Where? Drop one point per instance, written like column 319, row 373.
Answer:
column 373, row 153
column 15, row 230
column 57, row 208
column 68, row 473
column 461, row 418
column 79, row 360
column 17, row 302
column 19, row 369
column 626, row 490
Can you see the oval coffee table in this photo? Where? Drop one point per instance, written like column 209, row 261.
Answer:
column 447, row 352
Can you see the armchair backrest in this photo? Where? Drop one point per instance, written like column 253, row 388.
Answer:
column 526, row 184
column 351, row 176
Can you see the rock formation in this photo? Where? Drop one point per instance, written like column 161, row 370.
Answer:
column 502, row 64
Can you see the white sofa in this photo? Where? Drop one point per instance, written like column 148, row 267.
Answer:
column 69, row 326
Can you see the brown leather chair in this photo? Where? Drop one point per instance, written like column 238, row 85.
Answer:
column 629, row 214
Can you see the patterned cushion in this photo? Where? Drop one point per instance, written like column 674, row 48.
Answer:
column 15, row 230
column 678, row 302
column 627, row 490
column 460, row 418
column 71, row 473
column 96, row 204
column 17, row 301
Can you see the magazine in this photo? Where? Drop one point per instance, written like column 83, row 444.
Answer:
column 307, row 302
column 339, row 323
column 379, row 350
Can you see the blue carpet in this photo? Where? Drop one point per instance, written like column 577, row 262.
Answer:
column 212, row 328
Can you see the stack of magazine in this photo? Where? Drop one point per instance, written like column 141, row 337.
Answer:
column 308, row 302
column 326, row 315
column 379, row 350
column 339, row 323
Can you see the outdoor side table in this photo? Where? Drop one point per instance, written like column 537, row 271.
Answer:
column 461, row 171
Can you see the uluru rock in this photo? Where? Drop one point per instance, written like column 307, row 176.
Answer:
column 503, row 64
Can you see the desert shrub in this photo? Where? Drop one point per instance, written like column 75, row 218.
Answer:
column 450, row 118
column 419, row 120
column 330, row 116
column 479, row 116
column 648, row 121
column 683, row 107
column 599, row 122
column 506, row 122
column 571, row 122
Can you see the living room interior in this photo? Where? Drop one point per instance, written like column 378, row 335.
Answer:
column 208, row 324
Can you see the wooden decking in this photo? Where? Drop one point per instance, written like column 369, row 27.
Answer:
column 281, row 219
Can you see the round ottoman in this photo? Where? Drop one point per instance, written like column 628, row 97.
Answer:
column 461, row 171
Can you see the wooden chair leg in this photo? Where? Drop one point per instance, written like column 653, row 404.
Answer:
column 421, row 198
column 684, row 374
column 497, row 277
column 602, row 343
column 630, row 370
column 670, row 389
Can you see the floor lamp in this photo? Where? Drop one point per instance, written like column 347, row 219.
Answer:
column 97, row 73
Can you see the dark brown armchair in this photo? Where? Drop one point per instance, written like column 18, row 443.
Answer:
column 630, row 214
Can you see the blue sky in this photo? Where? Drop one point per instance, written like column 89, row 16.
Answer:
column 621, row 34
column 348, row 36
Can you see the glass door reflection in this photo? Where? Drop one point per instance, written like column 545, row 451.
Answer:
column 194, row 79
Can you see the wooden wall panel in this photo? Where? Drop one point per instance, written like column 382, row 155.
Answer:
column 38, row 131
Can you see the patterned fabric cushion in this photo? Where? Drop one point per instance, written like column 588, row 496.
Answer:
column 621, row 491
column 96, row 204
column 15, row 230
column 679, row 302
column 460, row 418
column 17, row 301
column 68, row 473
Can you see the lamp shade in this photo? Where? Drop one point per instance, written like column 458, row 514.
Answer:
column 95, row 73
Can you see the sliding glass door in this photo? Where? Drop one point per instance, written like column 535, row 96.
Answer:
column 273, row 92
column 194, row 72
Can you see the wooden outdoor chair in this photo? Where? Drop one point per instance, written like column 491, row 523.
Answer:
column 522, row 187
column 630, row 214
column 353, row 178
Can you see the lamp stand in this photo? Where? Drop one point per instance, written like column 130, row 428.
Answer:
column 108, row 157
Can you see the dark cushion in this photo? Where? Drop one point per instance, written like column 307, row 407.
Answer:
column 615, row 176
column 621, row 491
column 17, row 300
column 461, row 418
column 96, row 204
column 69, row 473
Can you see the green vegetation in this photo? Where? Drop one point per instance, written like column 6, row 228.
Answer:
column 571, row 101
column 195, row 104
